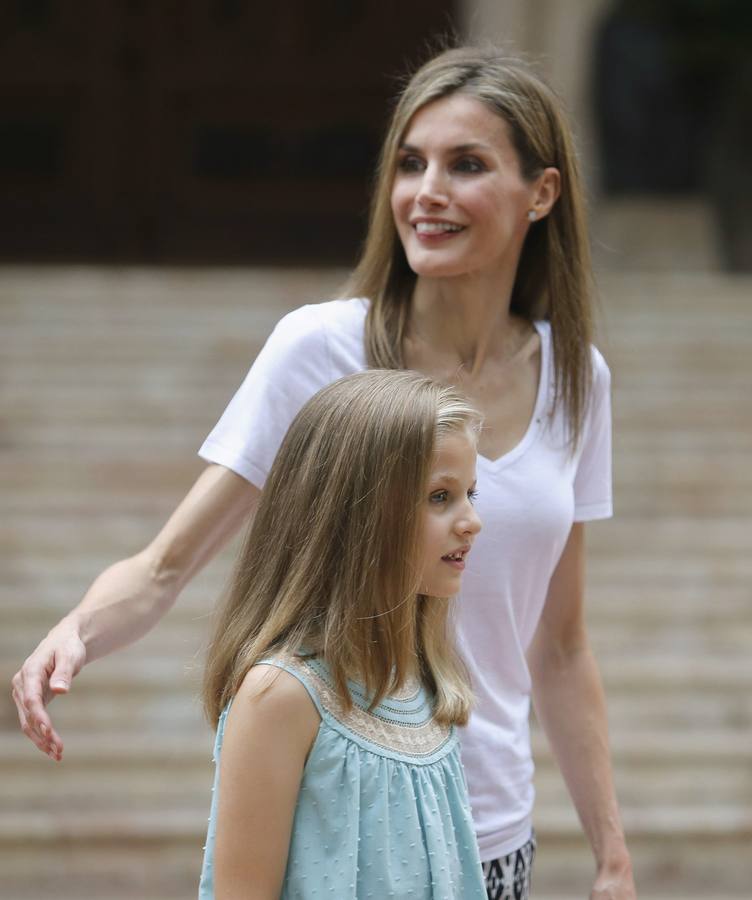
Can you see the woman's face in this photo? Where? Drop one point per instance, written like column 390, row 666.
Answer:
column 449, row 523
column 459, row 201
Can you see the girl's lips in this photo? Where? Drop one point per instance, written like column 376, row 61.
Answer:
column 456, row 558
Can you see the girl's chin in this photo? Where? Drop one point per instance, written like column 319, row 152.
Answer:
column 447, row 588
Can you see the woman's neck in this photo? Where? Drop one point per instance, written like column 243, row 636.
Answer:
column 462, row 321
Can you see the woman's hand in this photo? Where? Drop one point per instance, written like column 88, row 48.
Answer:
column 130, row 597
column 615, row 881
column 47, row 672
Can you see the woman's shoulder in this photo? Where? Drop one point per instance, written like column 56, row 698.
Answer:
column 600, row 369
column 307, row 343
column 342, row 314
column 319, row 334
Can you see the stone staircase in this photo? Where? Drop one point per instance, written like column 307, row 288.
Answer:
column 111, row 378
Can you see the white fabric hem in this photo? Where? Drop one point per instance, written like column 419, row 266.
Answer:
column 491, row 847
column 590, row 512
column 212, row 452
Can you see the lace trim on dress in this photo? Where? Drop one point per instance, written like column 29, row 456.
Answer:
column 414, row 739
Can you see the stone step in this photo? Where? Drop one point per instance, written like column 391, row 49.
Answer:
column 614, row 641
column 666, row 783
column 42, row 827
column 674, row 716
column 679, row 602
column 612, row 629
column 133, row 670
column 625, row 230
column 110, row 750
column 133, row 786
column 690, row 854
column 107, row 522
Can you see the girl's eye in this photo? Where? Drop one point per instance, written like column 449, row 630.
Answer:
column 472, row 494
column 439, row 496
column 469, row 165
column 410, row 164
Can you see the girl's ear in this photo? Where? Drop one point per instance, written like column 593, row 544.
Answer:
column 546, row 192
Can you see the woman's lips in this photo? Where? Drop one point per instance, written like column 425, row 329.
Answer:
column 436, row 232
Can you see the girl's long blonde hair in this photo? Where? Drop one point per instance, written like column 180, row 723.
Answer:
column 329, row 564
column 553, row 279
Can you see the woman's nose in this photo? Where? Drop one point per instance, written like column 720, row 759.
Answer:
column 433, row 189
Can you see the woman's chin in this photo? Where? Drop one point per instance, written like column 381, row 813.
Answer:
column 436, row 268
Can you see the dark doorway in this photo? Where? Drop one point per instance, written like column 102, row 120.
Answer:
column 197, row 130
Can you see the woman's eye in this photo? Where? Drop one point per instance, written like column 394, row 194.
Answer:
column 472, row 494
column 470, row 165
column 439, row 496
column 410, row 164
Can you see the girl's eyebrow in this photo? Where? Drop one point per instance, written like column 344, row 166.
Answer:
column 442, row 477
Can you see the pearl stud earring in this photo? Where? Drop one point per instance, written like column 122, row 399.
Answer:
column 532, row 215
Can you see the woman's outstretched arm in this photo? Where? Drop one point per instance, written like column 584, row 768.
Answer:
column 130, row 597
column 570, row 704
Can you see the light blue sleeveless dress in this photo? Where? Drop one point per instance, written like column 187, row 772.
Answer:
column 382, row 812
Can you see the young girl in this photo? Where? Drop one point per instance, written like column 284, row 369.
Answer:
column 331, row 678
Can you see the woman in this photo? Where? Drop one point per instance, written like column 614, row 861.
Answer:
column 475, row 272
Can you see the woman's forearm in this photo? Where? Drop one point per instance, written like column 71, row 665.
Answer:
column 123, row 604
column 129, row 597
column 132, row 595
column 570, row 705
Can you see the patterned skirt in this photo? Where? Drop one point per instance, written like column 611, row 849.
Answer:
column 508, row 877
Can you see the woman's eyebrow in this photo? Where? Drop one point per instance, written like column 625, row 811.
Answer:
column 459, row 148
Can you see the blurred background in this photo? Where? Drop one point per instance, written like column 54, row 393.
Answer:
column 174, row 177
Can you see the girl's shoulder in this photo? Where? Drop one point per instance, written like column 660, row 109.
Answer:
column 274, row 699
column 270, row 710
column 401, row 726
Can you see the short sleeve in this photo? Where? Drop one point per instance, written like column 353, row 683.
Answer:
column 592, row 482
column 292, row 366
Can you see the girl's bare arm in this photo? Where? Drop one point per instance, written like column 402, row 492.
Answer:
column 270, row 729
column 130, row 597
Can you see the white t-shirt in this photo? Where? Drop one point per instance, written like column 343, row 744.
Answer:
column 527, row 500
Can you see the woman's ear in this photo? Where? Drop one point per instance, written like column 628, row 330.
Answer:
column 546, row 192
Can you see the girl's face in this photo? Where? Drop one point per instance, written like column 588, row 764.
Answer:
column 459, row 201
column 450, row 522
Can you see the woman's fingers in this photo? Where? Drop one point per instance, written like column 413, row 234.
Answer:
column 48, row 671
column 38, row 733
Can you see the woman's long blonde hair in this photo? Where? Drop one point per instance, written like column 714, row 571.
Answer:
column 329, row 564
column 553, row 279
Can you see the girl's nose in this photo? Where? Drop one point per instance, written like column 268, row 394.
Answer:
column 469, row 523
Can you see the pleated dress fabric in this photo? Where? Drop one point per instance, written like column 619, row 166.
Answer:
column 382, row 812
